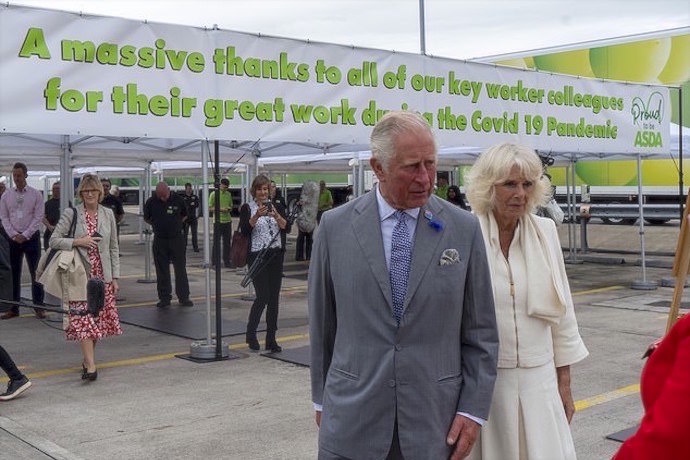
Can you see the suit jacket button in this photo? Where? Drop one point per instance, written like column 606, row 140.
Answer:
column 398, row 348
column 391, row 383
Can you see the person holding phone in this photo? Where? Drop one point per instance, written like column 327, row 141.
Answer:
column 264, row 223
column 96, row 243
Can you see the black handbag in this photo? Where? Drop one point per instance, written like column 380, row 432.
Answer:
column 95, row 296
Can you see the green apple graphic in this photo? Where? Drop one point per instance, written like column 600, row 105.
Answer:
column 638, row 61
column 567, row 62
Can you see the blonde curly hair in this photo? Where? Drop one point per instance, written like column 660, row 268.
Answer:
column 494, row 165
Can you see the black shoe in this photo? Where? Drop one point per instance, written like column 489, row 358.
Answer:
column 186, row 303
column 229, row 265
column 253, row 343
column 273, row 347
column 196, row 249
column 15, row 388
column 163, row 304
column 90, row 376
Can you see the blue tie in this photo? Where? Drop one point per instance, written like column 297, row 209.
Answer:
column 401, row 255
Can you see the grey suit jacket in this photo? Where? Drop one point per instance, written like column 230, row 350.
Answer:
column 108, row 247
column 366, row 371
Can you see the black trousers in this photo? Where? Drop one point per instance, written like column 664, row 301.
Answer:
column 192, row 224
column 7, row 365
column 304, row 241
column 267, row 284
column 165, row 252
column 225, row 231
column 31, row 249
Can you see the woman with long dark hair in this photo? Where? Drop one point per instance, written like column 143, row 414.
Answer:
column 456, row 197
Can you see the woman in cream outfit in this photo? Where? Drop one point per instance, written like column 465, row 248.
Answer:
column 539, row 339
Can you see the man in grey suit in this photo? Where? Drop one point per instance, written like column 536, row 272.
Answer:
column 409, row 378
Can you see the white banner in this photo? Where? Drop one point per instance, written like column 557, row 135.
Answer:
column 63, row 73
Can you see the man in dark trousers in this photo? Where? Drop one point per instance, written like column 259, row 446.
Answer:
column 166, row 213
column 21, row 212
column 192, row 202
column 225, row 222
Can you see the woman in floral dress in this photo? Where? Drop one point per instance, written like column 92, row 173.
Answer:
column 96, row 242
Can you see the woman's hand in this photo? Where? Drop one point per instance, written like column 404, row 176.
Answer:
column 87, row 241
column 116, row 286
column 563, row 376
column 263, row 211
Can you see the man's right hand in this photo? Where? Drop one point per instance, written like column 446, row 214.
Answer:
column 317, row 417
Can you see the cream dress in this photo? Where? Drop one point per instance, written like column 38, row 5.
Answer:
column 526, row 419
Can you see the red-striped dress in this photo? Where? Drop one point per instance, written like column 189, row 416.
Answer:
column 108, row 321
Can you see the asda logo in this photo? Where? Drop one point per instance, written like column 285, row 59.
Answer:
column 648, row 139
column 648, row 115
column 651, row 112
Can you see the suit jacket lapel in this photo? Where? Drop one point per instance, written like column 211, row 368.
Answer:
column 426, row 241
column 366, row 225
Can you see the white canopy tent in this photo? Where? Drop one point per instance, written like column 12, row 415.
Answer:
column 89, row 91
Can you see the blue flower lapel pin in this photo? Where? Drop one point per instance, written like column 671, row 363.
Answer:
column 433, row 221
column 449, row 257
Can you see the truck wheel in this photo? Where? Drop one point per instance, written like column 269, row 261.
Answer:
column 657, row 221
column 618, row 221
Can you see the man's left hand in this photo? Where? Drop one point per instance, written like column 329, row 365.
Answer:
column 19, row 238
column 463, row 434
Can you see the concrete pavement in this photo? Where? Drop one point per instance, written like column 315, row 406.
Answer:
column 147, row 403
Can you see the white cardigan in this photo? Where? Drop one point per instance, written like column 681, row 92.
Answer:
column 528, row 340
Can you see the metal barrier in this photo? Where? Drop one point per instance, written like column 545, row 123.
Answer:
column 629, row 213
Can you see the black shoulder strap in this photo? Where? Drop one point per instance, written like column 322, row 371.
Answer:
column 73, row 225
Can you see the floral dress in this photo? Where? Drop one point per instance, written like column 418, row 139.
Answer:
column 107, row 323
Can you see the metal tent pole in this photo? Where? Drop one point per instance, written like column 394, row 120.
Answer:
column 147, row 233
column 209, row 350
column 642, row 284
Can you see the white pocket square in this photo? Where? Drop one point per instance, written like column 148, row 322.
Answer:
column 449, row 257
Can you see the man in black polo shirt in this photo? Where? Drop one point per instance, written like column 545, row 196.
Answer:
column 166, row 213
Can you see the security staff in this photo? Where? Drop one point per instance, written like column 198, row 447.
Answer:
column 166, row 213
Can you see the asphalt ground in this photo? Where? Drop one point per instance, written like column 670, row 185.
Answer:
column 148, row 403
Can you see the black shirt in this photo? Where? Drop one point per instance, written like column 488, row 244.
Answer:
column 52, row 210
column 165, row 216
column 192, row 203
column 112, row 202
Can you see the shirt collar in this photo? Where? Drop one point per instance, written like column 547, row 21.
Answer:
column 386, row 210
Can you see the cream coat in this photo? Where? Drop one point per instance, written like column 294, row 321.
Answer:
column 527, row 340
column 67, row 264
column 108, row 247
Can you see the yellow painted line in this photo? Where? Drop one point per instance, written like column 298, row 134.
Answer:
column 142, row 360
column 607, row 397
column 579, row 405
column 595, row 291
column 152, row 302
